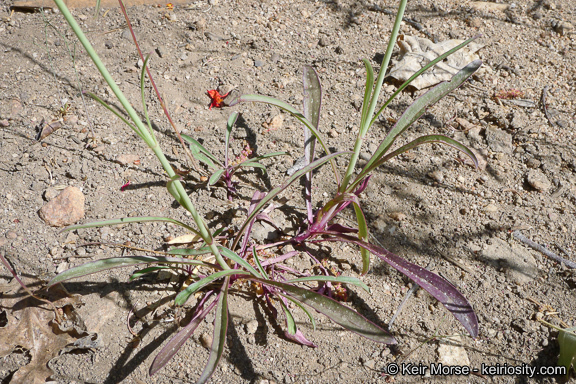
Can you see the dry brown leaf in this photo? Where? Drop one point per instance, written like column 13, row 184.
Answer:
column 31, row 326
column 416, row 52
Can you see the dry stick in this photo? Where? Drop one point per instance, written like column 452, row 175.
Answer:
column 542, row 249
column 15, row 275
column 410, row 292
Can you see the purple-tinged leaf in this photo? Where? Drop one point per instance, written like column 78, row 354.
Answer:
column 338, row 313
column 118, row 262
column 299, row 338
column 279, row 258
column 362, row 235
column 172, row 347
column 341, row 228
column 219, row 338
column 437, row 286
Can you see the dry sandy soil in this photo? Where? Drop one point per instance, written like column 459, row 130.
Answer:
column 429, row 206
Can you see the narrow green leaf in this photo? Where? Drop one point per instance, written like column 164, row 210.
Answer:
column 118, row 115
column 290, row 323
column 337, row 312
column 238, row 260
column 219, row 338
column 127, row 220
column 413, row 113
column 429, row 139
column 258, row 264
column 197, row 148
column 252, row 164
column 303, row 308
column 288, row 108
column 190, row 251
column 184, row 295
column 145, row 271
column 215, row 177
column 567, row 342
column 333, row 279
column 273, row 193
column 362, row 235
column 367, row 92
column 117, row 262
column 419, row 72
column 229, row 125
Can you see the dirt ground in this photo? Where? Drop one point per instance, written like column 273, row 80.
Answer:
column 428, row 206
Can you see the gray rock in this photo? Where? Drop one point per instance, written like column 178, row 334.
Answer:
column 263, row 231
column 258, row 63
column 538, row 180
column 519, row 120
column 498, row 140
column 126, row 35
column 517, row 263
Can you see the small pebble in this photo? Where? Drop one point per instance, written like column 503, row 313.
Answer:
column 251, row 327
column 206, row 340
column 398, row 216
column 437, row 176
column 11, row 235
column 258, row 63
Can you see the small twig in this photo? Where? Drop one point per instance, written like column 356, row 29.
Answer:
column 318, row 10
column 544, row 92
column 543, row 250
column 15, row 275
column 562, row 249
column 410, row 292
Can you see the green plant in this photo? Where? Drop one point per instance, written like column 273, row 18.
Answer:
column 225, row 170
column 238, row 258
column 350, row 186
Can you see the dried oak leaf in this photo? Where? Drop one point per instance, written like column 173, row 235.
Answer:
column 416, row 52
column 30, row 326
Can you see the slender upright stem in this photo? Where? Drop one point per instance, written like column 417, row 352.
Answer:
column 374, row 99
column 144, row 133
